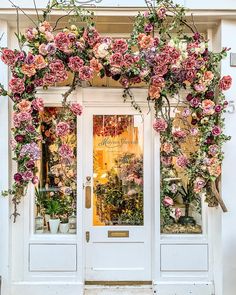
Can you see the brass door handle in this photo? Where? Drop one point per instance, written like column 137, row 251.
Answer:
column 88, row 192
column 87, row 236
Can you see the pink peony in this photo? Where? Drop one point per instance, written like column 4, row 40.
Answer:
column 76, row 108
column 49, row 79
column 160, row 125
column 24, row 116
column 225, row 83
column 62, row 129
column 38, row 104
column 17, row 85
column 181, row 134
column 65, row 151
column 167, row 201
column 117, row 60
column 8, row 57
column 91, row 36
column 85, row 73
column 75, row 63
column 56, row 66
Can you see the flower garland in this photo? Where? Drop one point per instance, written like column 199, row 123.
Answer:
column 150, row 55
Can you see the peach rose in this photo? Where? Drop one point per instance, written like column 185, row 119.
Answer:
column 208, row 107
column 95, row 65
column 24, row 105
column 154, row 92
column 208, row 76
column 39, row 62
column 214, row 167
column 145, row 41
column 167, row 147
column 28, row 70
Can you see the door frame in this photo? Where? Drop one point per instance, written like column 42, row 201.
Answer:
column 98, row 97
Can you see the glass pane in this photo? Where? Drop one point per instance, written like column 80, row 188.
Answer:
column 180, row 204
column 118, row 170
column 55, row 200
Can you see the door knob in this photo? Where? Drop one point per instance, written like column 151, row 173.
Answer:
column 87, row 236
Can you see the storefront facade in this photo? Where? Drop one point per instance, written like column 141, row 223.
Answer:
column 101, row 245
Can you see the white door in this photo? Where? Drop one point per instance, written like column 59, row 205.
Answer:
column 117, row 192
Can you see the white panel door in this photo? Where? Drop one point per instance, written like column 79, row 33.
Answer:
column 117, row 172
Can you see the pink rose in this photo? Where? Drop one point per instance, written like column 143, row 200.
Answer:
column 161, row 13
column 120, row 45
column 166, row 161
column 35, row 180
column 65, row 151
column 40, row 62
column 8, row 57
column 85, row 73
column 213, row 150
column 28, row 175
column 128, row 59
column 208, row 107
column 76, row 108
column 199, row 184
column 49, row 79
column 17, row 85
column 62, row 42
column 24, row 105
column 178, row 213
column 75, row 63
column 168, row 202
column 158, row 81
column 160, row 125
column 42, row 49
column 167, row 147
column 182, row 161
column 195, row 102
column 117, row 60
column 91, row 36
column 38, row 104
column 56, row 66
column 24, row 116
column 62, row 129
column 200, row 87
column 225, row 83
column 216, row 131
column 181, row 134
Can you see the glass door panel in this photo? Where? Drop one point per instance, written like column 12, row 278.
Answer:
column 118, row 170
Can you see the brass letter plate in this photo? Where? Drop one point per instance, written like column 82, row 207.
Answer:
column 88, row 197
column 118, row 234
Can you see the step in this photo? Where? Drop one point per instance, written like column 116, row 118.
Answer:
column 118, row 290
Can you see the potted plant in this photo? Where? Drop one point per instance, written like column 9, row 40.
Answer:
column 53, row 209
column 64, row 224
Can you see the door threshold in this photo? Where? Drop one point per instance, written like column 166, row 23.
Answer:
column 118, row 283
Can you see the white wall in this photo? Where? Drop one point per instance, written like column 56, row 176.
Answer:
column 229, row 176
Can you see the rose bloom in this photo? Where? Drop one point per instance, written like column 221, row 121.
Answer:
column 225, row 83
column 182, row 161
column 28, row 70
column 50, row 48
column 145, row 41
column 208, row 107
column 39, row 62
column 167, row 201
column 194, row 131
column 200, row 87
column 166, row 161
column 216, row 131
column 35, row 180
column 49, row 79
column 75, row 63
column 186, row 113
column 218, row 108
column 17, row 85
column 178, row 133
column 213, row 150
column 161, row 13
column 120, row 45
column 18, row 177
column 76, row 108
column 195, row 102
column 38, row 104
column 24, row 116
column 116, row 59
column 91, row 35
column 62, row 129
column 148, row 28
column 42, row 49
column 56, row 66
column 85, row 73
column 208, row 76
column 101, row 50
column 24, row 105
column 45, row 27
column 31, row 33
column 199, row 184
column 214, row 167
column 128, row 59
column 49, row 36
column 178, row 213
column 158, row 81
column 167, row 147
column 8, row 57
column 154, row 92
column 160, row 125
column 61, row 41
column 65, row 151
column 27, row 175
column 95, row 65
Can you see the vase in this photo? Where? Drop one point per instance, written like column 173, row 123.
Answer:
column 54, row 225
column 39, row 224
column 64, row 227
column 72, row 224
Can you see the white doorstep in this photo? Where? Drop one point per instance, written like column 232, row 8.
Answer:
column 118, row 290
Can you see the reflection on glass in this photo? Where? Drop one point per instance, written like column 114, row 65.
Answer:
column 55, row 197
column 118, row 170
column 180, row 203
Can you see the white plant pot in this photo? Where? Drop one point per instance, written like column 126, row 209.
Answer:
column 64, row 227
column 54, row 224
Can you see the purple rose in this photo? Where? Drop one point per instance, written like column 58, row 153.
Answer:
column 218, row 108
column 148, row 28
column 27, row 175
column 195, row 102
column 216, row 131
column 35, row 180
column 30, row 164
column 19, row 138
column 209, row 94
column 18, row 177
column 196, row 36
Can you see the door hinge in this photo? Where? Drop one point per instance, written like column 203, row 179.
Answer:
column 87, row 236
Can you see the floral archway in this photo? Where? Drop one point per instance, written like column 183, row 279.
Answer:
column 164, row 51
